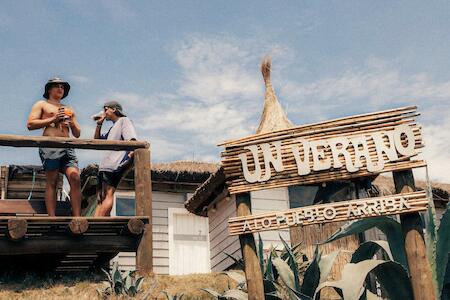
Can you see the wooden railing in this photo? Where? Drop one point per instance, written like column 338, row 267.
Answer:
column 142, row 179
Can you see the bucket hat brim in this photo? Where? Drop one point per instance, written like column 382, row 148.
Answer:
column 54, row 81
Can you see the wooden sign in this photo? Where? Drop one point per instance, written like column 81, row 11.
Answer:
column 331, row 212
column 346, row 148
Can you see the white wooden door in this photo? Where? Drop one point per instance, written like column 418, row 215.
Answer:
column 188, row 243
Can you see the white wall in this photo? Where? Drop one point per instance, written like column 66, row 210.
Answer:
column 161, row 202
column 221, row 242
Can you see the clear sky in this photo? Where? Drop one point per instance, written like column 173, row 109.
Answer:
column 187, row 72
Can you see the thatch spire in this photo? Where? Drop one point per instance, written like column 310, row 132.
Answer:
column 273, row 116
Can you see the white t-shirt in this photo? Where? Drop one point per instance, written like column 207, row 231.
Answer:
column 122, row 129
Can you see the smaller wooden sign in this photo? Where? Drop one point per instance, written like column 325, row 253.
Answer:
column 330, row 212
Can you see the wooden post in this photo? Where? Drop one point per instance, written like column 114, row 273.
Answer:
column 143, row 195
column 4, row 181
column 419, row 268
column 252, row 270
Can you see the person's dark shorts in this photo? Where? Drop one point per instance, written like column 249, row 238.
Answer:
column 58, row 159
column 110, row 178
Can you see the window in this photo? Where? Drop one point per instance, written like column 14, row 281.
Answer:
column 124, row 205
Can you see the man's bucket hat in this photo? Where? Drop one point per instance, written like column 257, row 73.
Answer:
column 56, row 80
column 115, row 105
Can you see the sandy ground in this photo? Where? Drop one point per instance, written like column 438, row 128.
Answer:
column 84, row 286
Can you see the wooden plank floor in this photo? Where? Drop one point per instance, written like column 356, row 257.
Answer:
column 50, row 243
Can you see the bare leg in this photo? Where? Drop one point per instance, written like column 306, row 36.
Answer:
column 51, row 180
column 104, row 208
column 100, row 198
column 73, row 176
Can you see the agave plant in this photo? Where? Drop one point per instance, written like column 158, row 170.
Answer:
column 438, row 249
column 238, row 293
column 293, row 256
column 120, row 283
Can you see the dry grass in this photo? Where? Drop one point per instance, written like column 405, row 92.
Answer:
column 81, row 286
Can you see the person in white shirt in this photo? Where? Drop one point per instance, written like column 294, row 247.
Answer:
column 114, row 163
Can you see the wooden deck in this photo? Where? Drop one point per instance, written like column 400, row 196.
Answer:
column 66, row 243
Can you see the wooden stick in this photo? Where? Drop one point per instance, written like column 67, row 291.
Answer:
column 60, row 142
column 419, row 268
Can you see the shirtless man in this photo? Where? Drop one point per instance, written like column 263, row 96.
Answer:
column 58, row 120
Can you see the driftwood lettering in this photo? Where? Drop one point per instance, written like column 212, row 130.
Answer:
column 325, row 153
column 331, row 212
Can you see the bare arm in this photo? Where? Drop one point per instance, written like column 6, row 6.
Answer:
column 98, row 129
column 75, row 127
column 35, row 121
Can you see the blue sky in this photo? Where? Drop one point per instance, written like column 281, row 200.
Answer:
column 187, row 72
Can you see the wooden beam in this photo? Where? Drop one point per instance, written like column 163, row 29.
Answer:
column 419, row 268
column 13, row 206
column 143, row 194
column 68, row 244
column 252, row 268
column 60, row 142
column 17, row 228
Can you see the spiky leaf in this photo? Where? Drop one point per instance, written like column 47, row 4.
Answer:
column 326, row 263
column 397, row 288
column 442, row 248
column 368, row 249
column 235, row 295
column 268, row 274
column 390, row 227
column 239, row 263
column 284, row 271
column 238, row 277
column 292, row 261
column 312, row 275
column 391, row 275
column 261, row 253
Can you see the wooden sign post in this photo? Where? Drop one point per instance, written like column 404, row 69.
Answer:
column 415, row 248
column 252, row 269
column 341, row 149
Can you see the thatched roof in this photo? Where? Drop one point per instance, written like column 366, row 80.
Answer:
column 206, row 193
column 184, row 167
column 273, row 116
